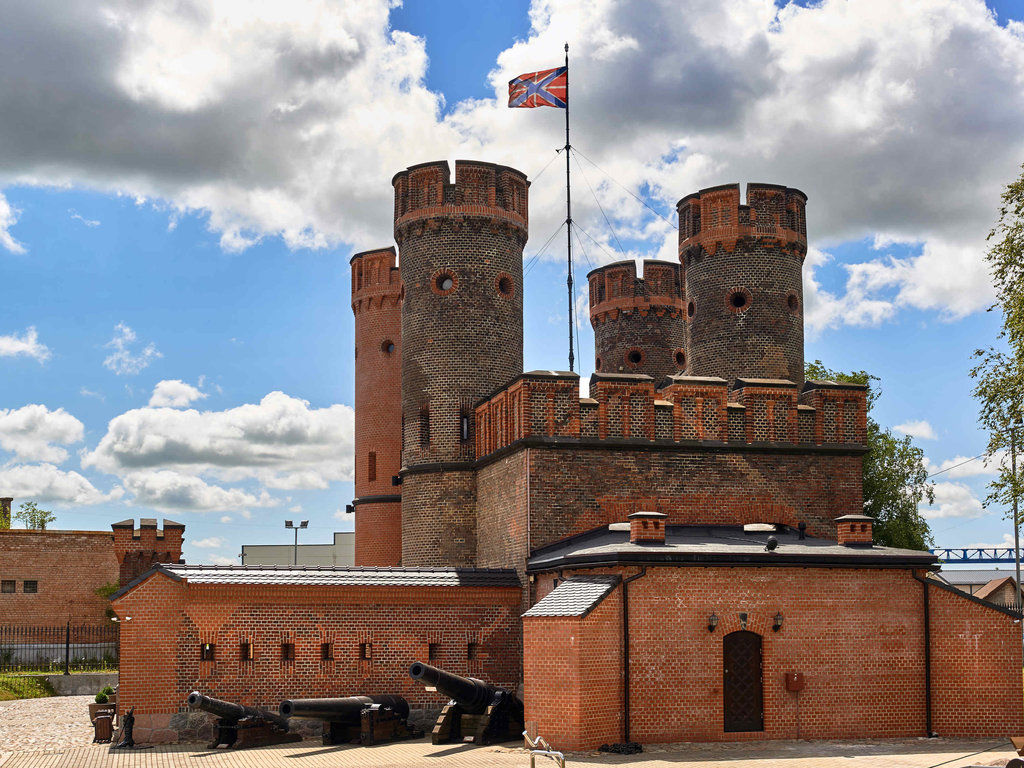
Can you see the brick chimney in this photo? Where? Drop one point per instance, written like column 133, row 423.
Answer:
column 854, row 530
column 647, row 527
column 5, row 512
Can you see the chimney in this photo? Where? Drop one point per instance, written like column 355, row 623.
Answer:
column 5, row 512
column 854, row 530
column 647, row 527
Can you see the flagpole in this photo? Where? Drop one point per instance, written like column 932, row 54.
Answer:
column 568, row 206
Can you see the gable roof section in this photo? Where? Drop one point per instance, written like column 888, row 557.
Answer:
column 576, row 596
column 994, row 586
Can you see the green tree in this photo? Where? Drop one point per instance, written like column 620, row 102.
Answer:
column 999, row 370
column 34, row 517
column 895, row 478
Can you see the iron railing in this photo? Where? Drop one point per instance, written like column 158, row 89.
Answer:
column 63, row 648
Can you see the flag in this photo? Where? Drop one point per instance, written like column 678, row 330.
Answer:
column 548, row 88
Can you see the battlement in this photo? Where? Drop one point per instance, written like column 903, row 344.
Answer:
column 139, row 549
column 481, row 189
column 683, row 409
column 375, row 279
column 715, row 217
column 615, row 288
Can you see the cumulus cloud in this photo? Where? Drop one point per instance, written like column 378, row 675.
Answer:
column 27, row 344
column 952, row 500
column 282, row 442
column 46, row 482
column 167, row 489
column 174, row 393
column 35, row 433
column 220, row 560
column 919, row 429
column 126, row 360
column 8, row 218
column 211, row 542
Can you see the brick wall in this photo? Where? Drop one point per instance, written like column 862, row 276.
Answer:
column 139, row 549
column 67, row 566
column 377, row 306
column 160, row 646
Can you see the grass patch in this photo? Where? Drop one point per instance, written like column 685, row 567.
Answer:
column 24, row 687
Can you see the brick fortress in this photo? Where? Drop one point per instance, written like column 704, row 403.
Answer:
column 682, row 555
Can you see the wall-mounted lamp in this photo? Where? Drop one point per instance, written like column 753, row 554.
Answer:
column 712, row 622
column 777, row 623
column 350, row 508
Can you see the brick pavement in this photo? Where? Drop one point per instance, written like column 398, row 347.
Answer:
column 905, row 753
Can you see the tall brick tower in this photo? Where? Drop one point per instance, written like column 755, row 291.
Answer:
column 377, row 305
column 638, row 322
column 461, row 258
column 744, row 289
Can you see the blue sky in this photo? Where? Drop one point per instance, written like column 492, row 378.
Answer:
column 175, row 229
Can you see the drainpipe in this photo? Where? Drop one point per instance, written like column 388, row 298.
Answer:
column 625, row 651
column 927, row 660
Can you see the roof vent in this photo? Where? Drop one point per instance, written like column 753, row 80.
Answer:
column 854, row 530
column 647, row 527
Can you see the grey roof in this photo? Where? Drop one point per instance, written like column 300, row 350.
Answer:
column 343, row 576
column 718, row 545
column 576, row 596
column 974, row 575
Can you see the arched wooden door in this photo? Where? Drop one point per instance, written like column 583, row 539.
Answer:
column 743, row 682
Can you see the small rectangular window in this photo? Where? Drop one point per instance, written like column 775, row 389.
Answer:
column 365, row 650
column 245, row 651
column 371, row 466
column 287, row 651
column 472, row 650
column 326, row 652
column 30, row 587
column 8, row 585
column 207, row 652
column 432, row 652
column 424, row 427
column 464, row 430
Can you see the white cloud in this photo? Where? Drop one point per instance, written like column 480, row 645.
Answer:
column 1006, row 542
column 167, row 489
column 84, row 392
column 341, row 514
column 966, row 466
column 27, row 344
column 174, row 393
column 8, row 218
column 920, row 429
column 35, row 433
column 79, row 217
column 226, row 518
column 952, row 500
column 295, row 508
column 45, row 482
column 211, row 542
column 220, row 560
column 124, row 360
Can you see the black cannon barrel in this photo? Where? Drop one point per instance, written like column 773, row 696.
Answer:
column 469, row 693
column 341, row 710
column 226, row 710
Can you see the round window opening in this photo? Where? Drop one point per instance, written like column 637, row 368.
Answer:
column 680, row 358
column 635, row 357
column 387, row 347
column 505, row 285
column 445, row 282
column 739, row 299
column 691, row 308
column 792, row 302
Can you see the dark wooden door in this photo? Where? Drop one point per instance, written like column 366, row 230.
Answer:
column 743, row 685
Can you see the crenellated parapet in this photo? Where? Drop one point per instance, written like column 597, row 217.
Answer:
column 714, row 218
column 376, row 281
column 615, row 288
column 484, row 193
column 684, row 410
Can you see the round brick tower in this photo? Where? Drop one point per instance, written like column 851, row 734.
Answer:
column 744, row 289
column 638, row 323
column 377, row 305
column 461, row 258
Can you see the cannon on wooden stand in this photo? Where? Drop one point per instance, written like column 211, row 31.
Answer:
column 368, row 720
column 239, row 726
column 478, row 713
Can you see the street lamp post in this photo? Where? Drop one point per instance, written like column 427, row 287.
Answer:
column 295, row 549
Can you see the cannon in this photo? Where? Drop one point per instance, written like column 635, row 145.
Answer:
column 478, row 713
column 368, row 720
column 239, row 726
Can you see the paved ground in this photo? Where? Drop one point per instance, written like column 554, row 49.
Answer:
column 55, row 733
column 421, row 754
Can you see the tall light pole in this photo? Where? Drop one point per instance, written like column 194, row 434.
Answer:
column 295, row 549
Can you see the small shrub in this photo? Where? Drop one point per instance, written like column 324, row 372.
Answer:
column 101, row 698
column 107, row 690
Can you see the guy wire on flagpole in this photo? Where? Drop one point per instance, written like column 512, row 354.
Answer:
column 568, row 207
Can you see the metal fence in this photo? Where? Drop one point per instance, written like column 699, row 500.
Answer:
column 64, row 648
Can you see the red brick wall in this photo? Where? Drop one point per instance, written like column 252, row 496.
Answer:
column 160, row 645
column 377, row 305
column 139, row 549
column 572, row 676
column 68, row 566
column 976, row 668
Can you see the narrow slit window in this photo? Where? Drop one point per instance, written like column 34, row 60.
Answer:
column 425, row 427
column 287, row 651
column 207, row 652
column 472, row 651
column 464, row 428
column 245, row 651
column 371, row 466
column 326, row 652
column 365, row 651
